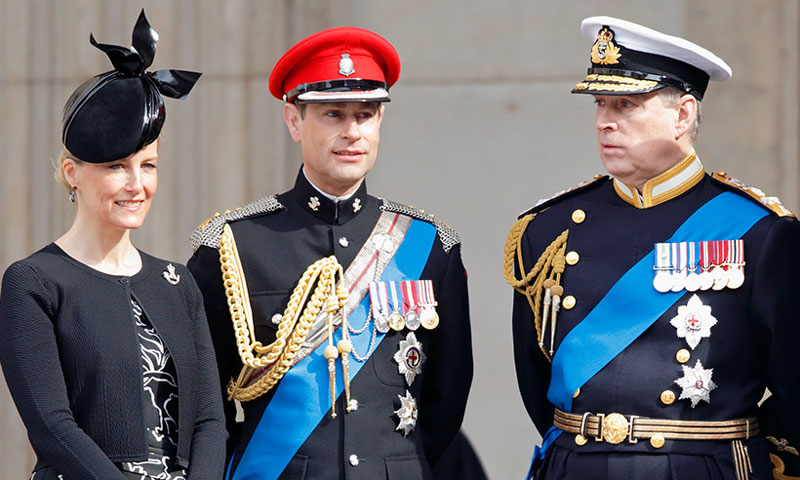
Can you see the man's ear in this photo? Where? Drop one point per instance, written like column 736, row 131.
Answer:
column 687, row 111
column 291, row 115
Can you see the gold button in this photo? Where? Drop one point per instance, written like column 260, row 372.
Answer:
column 657, row 440
column 572, row 257
column 569, row 302
column 580, row 440
column 578, row 216
column 577, row 392
column 667, row 397
column 683, row 355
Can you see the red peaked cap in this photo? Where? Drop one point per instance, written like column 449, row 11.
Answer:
column 317, row 59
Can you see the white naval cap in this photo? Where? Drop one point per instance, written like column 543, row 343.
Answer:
column 628, row 58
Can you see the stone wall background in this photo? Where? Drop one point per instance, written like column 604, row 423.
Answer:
column 481, row 126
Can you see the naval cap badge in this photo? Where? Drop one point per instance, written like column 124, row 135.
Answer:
column 346, row 66
column 170, row 275
column 409, row 357
column 694, row 321
column 604, row 51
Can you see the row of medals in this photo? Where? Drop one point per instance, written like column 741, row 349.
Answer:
column 419, row 312
column 680, row 277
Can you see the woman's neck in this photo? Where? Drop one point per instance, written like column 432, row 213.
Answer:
column 108, row 250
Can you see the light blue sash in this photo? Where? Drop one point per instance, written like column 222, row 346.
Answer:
column 302, row 398
column 632, row 304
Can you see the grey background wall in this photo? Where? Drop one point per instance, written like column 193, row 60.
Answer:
column 481, row 126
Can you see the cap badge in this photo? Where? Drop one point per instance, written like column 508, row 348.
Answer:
column 346, row 67
column 604, row 51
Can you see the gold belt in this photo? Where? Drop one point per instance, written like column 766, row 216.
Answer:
column 614, row 428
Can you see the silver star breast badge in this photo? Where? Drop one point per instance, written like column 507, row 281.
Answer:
column 694, row 321
column 409, row 357
column 407, row 413
column 170, row 275
column 313, row 203
column 696, row 384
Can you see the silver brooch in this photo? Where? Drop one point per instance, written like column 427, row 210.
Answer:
column 346, row 66
column 313, row 203
column 696, row 384
column 356, row 205
column 409, row 357
column 170, row 275
column 694, row 321
column 407, row 413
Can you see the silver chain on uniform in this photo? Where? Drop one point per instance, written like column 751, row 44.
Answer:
column 380, row 264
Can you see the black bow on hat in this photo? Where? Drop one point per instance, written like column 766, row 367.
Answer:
column 119, row 112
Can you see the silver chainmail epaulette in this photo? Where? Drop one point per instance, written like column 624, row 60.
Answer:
column 208, row 232
column 447, row 234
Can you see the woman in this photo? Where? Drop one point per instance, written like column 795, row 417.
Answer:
column 106, row 349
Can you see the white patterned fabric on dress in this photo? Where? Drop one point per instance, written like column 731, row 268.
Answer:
column 160, row 397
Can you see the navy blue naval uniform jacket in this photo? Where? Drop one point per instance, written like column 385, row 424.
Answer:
column 752, row 347
column 275, row 248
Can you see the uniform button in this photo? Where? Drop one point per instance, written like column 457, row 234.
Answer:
column 577, row 392
column 657, row 440
column 569, row 302
column 683, row 355
column 667, row 397
column 573, row 257
column 125, row 280
column 344, row 242
column 354, row 460
column 276, row 319
column 580, row 440
column 578, row 216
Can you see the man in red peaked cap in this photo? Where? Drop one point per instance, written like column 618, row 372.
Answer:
column 340, row 319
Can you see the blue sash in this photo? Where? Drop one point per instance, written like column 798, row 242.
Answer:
column 631, row 306
column 302, row 398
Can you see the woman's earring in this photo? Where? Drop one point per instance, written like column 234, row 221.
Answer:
column 72, row 194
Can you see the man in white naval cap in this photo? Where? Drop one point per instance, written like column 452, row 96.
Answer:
column 654, row 306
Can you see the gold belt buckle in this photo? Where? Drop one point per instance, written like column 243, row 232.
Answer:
column 614, row 427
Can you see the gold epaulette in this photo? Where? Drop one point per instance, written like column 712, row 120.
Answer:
column 546, row 202
column 210, row 230
column 772, row 203
column 541, row 285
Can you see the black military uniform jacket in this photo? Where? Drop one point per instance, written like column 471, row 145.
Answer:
column 277, row 239
column 753, row 345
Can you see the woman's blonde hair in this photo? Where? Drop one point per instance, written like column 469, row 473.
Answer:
column 58, row 166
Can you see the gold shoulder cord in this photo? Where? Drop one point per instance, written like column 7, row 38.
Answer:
column 540, row 285
column 298, row 318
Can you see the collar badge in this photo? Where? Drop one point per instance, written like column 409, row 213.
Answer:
column 696, row 384
column 409, row 358
column 313, row 203
column 346, row 66
column 694, row 321
column 407, row 413
column 356, row 205
column 604, row 51
column 170, row 275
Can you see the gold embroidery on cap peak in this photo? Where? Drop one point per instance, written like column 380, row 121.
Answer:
column 604, row 51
